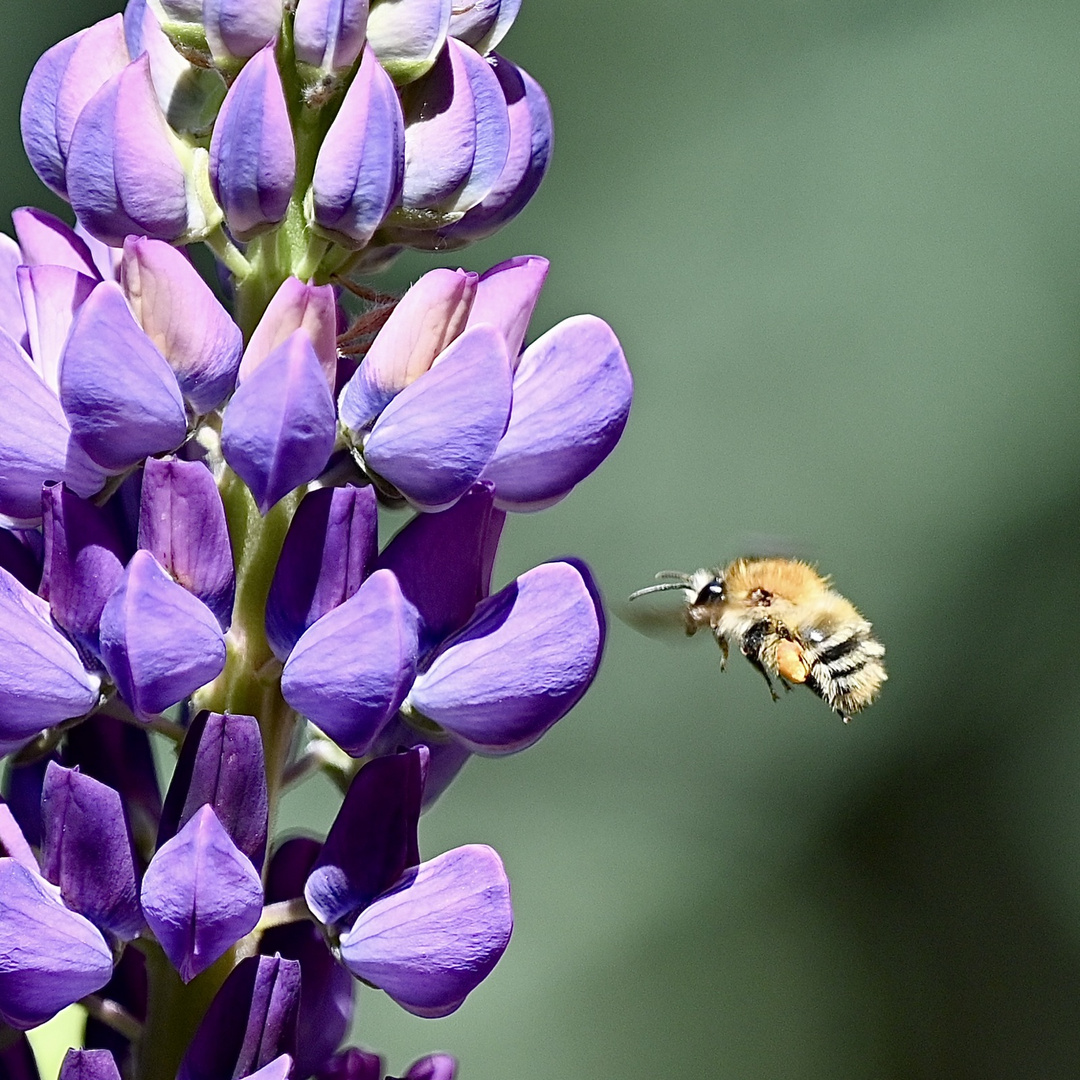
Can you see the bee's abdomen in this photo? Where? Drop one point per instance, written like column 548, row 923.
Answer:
column 845, row 666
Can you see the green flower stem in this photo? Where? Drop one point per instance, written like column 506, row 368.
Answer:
column 174, row 1011
column 251, row 681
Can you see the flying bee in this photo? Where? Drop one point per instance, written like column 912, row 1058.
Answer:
column 789, row 623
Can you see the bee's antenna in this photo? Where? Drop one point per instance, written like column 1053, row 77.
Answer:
column 667, row 586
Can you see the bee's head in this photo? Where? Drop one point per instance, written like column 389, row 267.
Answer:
column 712, row 592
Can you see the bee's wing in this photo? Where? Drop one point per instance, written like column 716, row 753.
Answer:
column 666, row 621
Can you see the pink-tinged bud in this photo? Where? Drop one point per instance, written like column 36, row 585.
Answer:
column 483, row 23
column 295, row 306
column 45, row 240
column 181, row 316
column 190, row 96
column 65, row 78
column 457, row 137
column 51, row 296
column 506, row 295
column 252, row 156
column 329, row 34
column 407, row 35
column 361, row 163
column 427, row 319
column 238, row 29
column 128, row 174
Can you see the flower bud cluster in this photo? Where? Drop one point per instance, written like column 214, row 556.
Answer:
column 366, row 129
column 189, row 527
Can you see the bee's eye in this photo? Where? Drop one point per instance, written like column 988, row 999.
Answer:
column 712, row 593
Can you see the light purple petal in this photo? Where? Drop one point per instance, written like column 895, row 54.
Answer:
column 184, row 320
column 423, row 323
column 520, row 664
column 88, row 852
column 572, row 394
column 329, row 34
column 372, row 841
column 435, row 938
column 484, row 23
column 407, row 35
column 432, row 1067
column 506, row 296
column 278, row 1069
column 434, row 439
column 252, row 156
column 221, row 765
column 200, row 895
column 45, row 240
column 13, row 842
column 125, row 175
column 65, row 78
column 159, row 643
column 12, row 320
column 35, row 440
column 83, row 561
column 238, row 29
column 118, row 392
column 328, row 551
column 294, row 306
column 89, row 1065
column 51, row 296
column 49, row 956
column 352, row 669
column 182, row 524
column 280, row 425
column 42, row 678
column 361, row 162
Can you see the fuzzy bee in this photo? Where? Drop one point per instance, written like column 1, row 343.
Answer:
column 790, row 625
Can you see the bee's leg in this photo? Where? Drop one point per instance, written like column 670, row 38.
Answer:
column 722, row 642
column 753, row 645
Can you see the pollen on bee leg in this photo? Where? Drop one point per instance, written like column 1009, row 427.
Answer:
column 790, row 662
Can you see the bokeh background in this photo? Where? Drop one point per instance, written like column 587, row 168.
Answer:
column 840, row 242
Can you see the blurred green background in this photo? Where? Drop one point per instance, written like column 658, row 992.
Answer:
column 840, row 242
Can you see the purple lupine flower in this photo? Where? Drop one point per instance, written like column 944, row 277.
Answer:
column 238, row 29
column 200, row 894
column 89, row 1065
column 484, row 23
column 45, row 240
column 49, row 956
column 252, row 157
column 329, row 34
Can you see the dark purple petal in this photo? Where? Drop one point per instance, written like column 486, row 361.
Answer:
column 42, row 678
column 65, row 78
column 45, row 240
column 352, row 1064
column 17, row 1061
column 118, row 392
column 250, row 1022
column 531, row 135
column 446, row 756
column 520, row 664
column 296, row 305
column 408, row 35
column 89, row 1065
column 352, row 669
column 443, row 562
column 434, row 439
column 373, row 839
column 326, row 1005
column 182, row 317
column 329, row 34
column 432, row 1067
column 483, row 24
column 22, row 789
column 279, row 427
column 83, row 561
column 127, row 173
column 200, row 895
column 119, row 755
column 423, row 323
column 361, row 164
column 35, row 440
column 328, row 550
column 49, row 956
column 572, row 394
column 438, row 935
column 87, row 851
column 238, row 29
column 182, row 524
column 20, row 556
column 506, row 295
column 221, row 765
column 252, row 156
column 158, row 642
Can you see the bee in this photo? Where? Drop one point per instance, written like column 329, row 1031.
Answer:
column 789, row 623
